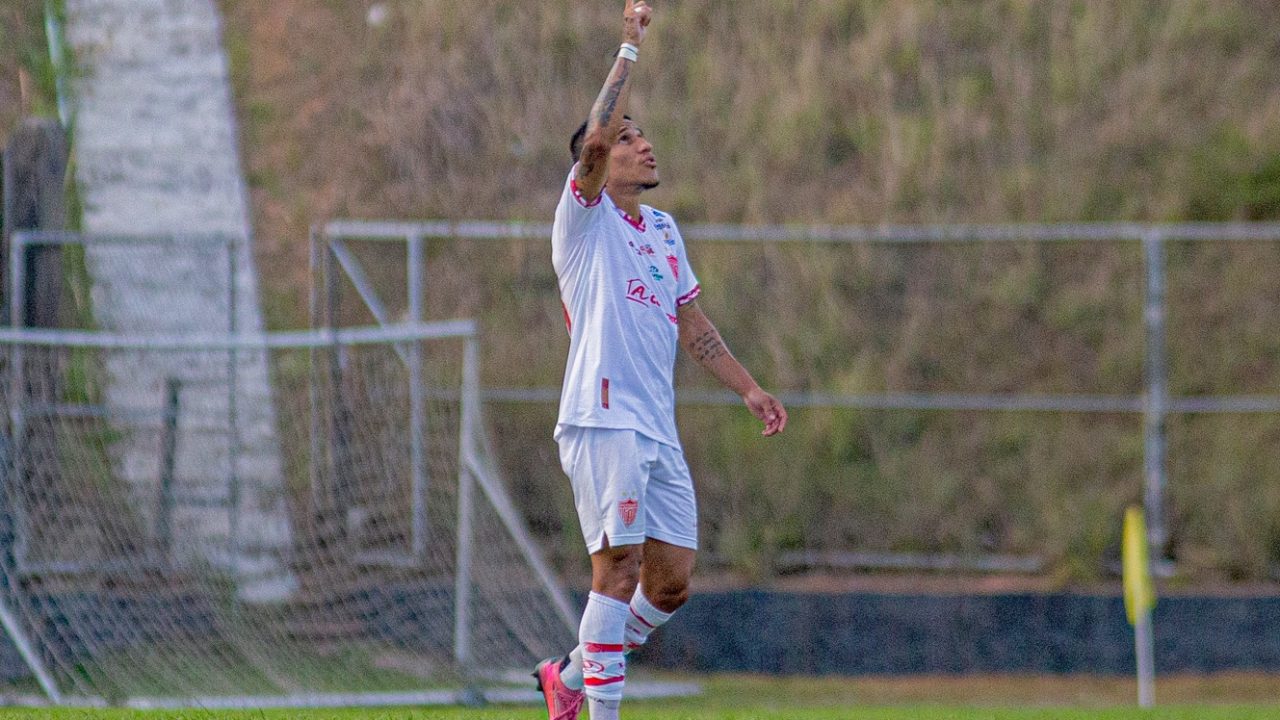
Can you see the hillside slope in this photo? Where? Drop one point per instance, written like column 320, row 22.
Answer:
column 834, row 111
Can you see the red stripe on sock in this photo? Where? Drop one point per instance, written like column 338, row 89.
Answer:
column 636, row 615
column 602, row 648
column 594, row 682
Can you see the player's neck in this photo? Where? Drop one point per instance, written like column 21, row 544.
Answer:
column 627, row 200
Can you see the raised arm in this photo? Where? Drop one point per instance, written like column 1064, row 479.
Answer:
column 703, row 343
column 605, row 121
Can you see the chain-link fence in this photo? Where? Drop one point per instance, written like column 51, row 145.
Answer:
column 172, row 535
column 963, row 397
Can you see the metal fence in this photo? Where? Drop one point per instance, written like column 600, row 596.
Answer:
column 331, row 244
column 197, row 512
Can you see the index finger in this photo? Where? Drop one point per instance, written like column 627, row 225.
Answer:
column 630, row 9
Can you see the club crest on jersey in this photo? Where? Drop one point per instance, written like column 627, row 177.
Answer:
column 628, row 509
column 675, row 266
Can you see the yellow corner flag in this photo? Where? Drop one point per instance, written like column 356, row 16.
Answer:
column 1139, row 594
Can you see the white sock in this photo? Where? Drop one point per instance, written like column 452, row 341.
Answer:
column 598, row 709
column 642, row 619
column 571, row 673
column 601, row 634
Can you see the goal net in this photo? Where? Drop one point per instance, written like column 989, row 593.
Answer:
column 342, row 539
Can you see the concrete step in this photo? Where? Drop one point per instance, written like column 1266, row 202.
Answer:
column 157, row 154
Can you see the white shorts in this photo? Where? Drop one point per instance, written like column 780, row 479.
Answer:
column 628, row 487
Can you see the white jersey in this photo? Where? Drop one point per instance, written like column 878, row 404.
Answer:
column 622, row 280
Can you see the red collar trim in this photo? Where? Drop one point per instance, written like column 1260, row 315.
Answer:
column 637, row 224
column 577, row 195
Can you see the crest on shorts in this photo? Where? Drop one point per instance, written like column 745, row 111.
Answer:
column 628, row 509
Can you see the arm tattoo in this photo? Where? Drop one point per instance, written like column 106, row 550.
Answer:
column 607, row 103
column 708, row 347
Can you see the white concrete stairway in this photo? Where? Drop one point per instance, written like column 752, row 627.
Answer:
column 156, row 155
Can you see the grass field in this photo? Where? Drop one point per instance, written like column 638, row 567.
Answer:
column 655, row 712
column 1235, row 696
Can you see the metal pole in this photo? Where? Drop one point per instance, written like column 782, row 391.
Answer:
column 6, row 192
column 417, row 404
column 233, row 419
column 18, row 391
column 313, row 385
column 334, row 496
column 466, row 508
column 1145, row 651
column 17, row 399
column 1157, row 394
column 28, row 653
column 168, row 458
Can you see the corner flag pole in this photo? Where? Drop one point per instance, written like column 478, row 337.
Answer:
column 1139, row 600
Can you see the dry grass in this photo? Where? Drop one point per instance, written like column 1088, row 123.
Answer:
column 837, row 111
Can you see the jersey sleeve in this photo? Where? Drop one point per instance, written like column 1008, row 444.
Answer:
column 687, row 287
column 574, row 211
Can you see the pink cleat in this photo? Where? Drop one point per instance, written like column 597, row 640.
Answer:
column 562, row 703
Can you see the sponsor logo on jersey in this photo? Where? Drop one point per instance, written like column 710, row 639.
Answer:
column 638, row 292
column 657, row 275
column 628, row 509
column 644, row 251
column 675, row 266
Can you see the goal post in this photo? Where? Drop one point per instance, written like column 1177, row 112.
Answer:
column 414, row 579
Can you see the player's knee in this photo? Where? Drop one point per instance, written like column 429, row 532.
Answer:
column 620, row 582
column 668, row 594
column 616, row 572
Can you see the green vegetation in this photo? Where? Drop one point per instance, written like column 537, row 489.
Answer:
column 674, row 713
column 27, row 83
column 28, row 88
column 745, row 698
column 157, row 669
column 835, row 111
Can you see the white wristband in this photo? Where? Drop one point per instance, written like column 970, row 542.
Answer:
column 629, row 51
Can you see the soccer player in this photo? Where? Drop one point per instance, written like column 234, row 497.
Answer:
column 630, row 298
